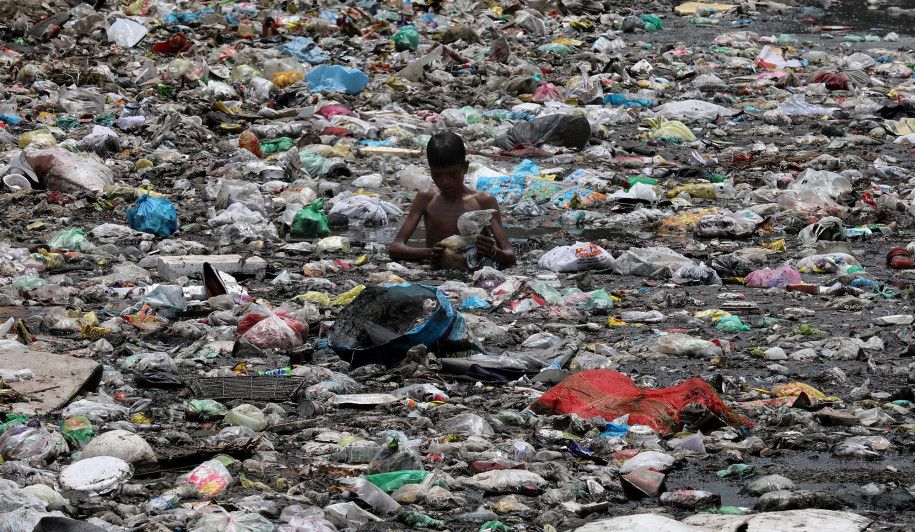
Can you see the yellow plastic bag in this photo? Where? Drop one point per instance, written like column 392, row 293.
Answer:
column 696, row 190
column 39, row 138
column 287, row 77
column 794, row 389
column 712, row 314
column 347, row 297
column 662, row 128
column 683, row 222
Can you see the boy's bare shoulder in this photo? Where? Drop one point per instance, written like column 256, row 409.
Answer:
column 423, row 197
column 486, row 200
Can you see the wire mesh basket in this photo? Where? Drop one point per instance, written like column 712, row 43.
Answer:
column 255, row 388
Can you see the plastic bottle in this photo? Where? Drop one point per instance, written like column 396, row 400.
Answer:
column 372, row 495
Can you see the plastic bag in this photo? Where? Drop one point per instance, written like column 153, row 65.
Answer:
column 370, row 211
column 297, row 519
column 395, row 455
column 662, row 128
column 205, row 410
column 234, row 191
column 71, row 240
column 506, row 481
column 862, row 447
column 332, row 244
column 566, row 130
column 731, row 324
column 32, row 445
column 584, row 89
column 577, row 257
column 38, row 138
column 650, row 262
column 406, row 38
column 126, row 33
column 77, row 431
column 305, row 50
column 701, row 273
column 723, row 225
column 693, row 110
column 151, row 215
column 677, row 344
column 216, row 519
column 311, row 221
column 277, row 330
column 245, row 415
column 546, row 92
column 796, row 105
column 210, row 479
column 767, row 278
column 335, row 78
column 394, row 480
column 653, row 23
column 467, row 424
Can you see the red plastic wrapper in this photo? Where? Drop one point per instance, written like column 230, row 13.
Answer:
column 276, row 330
column 176, row 44
column 834, row 81
column 250, row 142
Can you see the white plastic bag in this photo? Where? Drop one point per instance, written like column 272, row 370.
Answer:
column 370, row 211
column 126, row 33
column 505, row 481
column 648, row 262
column 577, row 257
column 219, row 520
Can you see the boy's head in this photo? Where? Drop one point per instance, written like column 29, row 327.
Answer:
column 447, row 161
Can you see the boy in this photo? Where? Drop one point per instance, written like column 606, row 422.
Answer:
column 440, row 208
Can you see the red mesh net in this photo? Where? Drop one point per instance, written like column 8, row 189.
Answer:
column 610, row 394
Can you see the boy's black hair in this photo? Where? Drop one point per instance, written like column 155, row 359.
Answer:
column 445, row 149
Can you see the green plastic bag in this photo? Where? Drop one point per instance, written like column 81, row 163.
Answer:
column 407, row 38
column 77, row 431
column 555, row 48
column 71, row 240
column 731, row 324
column 205, row 409
column 313, row 164
column 653, row 23
column 418, row 520
column 392, row 481
column 310, row 222
column 13, row 418
column 641, row 179
column 276, row 145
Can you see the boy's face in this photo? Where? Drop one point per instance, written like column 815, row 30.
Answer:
column 449, row 179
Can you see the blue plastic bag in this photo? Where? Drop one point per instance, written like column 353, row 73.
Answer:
column 305, row 50
column 336, row 78
column 475, row 303
column 151, row 215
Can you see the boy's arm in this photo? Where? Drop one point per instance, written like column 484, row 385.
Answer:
column 496, row 246
column 398, row 249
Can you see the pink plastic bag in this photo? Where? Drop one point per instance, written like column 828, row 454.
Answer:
column 546, row 92
column 333, row 109
column 767, row 278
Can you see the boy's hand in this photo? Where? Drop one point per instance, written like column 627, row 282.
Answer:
column 486, row 246
column 436, row 251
